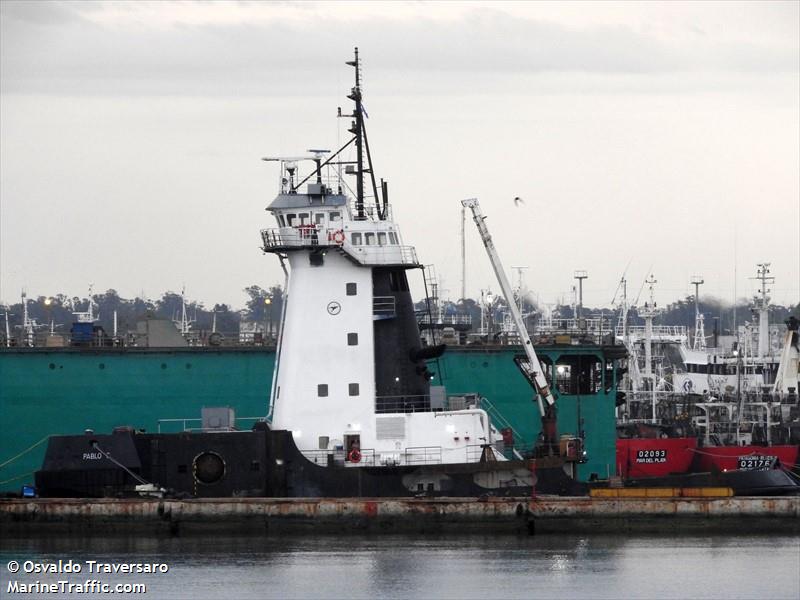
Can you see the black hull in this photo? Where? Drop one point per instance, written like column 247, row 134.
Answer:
column 264, row 463
column 772, row 482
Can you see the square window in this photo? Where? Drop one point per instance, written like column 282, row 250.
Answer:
column 335, row 216
column 369, row 239
column 290, row 220
column 322, row 390
column 319, row 218
column 303, row 218
column 351, row 289
column 356, row 239
column 353, row 389
column 352, row 339
column 381, row 239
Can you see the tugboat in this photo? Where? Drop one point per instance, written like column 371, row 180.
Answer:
column 352, row 411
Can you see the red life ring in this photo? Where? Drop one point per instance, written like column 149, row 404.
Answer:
column 338, row 237
column 354, row 456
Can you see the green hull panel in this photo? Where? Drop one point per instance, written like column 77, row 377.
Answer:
column 65, row 391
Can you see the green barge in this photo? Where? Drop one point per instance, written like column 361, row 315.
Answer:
column 61, row 391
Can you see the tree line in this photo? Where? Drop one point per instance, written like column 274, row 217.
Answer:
column 261, row 306
column 265, row 305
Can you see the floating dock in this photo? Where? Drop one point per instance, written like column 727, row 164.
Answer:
column 386, row 515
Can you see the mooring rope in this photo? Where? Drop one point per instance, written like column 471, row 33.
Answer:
column 13, row 458
column 17, row 477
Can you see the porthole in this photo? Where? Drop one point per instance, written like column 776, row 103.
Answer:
column 208, row 468
column 163, row 365
column 52, row 365
column 101, row 366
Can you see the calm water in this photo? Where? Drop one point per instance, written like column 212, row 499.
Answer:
column 460, row 567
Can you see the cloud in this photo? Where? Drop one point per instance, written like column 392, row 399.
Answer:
column 55, row 48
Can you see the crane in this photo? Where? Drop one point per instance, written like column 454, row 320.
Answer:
column 535, row 373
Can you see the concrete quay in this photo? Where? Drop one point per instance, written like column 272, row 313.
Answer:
column 544, row 514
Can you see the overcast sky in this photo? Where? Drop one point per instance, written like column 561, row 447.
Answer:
column 652, row 136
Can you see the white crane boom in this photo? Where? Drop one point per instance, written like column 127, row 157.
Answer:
column 536, row 374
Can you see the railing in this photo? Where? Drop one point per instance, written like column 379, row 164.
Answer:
column 184, row 422
column 381, row 255
column 384, row 307
column 310, row 236
column 496, row 417
column 669, row 332
column 326, row 457
column 411, row 403
column 404, row 404
column 200, row 338
column 427, row 319
column 371, row 212
column 596, row 326
column 297, row 237
column 423, row 455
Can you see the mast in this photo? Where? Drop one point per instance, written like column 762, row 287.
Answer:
column 357, row 129
column 648, row 313
column 762, row 304
column 580, row 275
column 699, row 328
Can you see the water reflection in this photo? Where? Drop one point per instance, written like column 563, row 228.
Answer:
column 355, row 567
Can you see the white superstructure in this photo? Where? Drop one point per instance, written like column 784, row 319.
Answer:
column 350, row 372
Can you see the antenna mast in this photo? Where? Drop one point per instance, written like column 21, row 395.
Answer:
column 699, row 329
column 357, row 129
column 762, row 304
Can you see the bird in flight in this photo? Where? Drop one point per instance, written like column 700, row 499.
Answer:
column 518, row 201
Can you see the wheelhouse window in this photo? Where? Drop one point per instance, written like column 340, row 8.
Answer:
column 281, row 221
column 579, row 374
column 392, row 238
column 304, row 220
column 369, row 239
column 336, row 216
column 319, row 218
column 356, row 238
column 381, row 239
column 290, row 219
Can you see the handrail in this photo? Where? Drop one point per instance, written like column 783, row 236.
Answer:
column 423, row 455
column 194, row 419
column 384, row 306
column 277, row 239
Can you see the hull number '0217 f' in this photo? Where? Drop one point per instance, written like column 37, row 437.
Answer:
column 651, row 456
column 757, row 462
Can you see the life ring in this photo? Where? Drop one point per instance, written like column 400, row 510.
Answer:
column 354, row 456
column 338, row 237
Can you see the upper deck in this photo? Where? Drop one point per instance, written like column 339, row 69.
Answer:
column 322, row 219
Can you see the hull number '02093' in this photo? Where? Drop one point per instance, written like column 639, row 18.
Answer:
column 651, row 456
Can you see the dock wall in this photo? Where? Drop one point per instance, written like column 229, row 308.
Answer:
column 428, row 515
